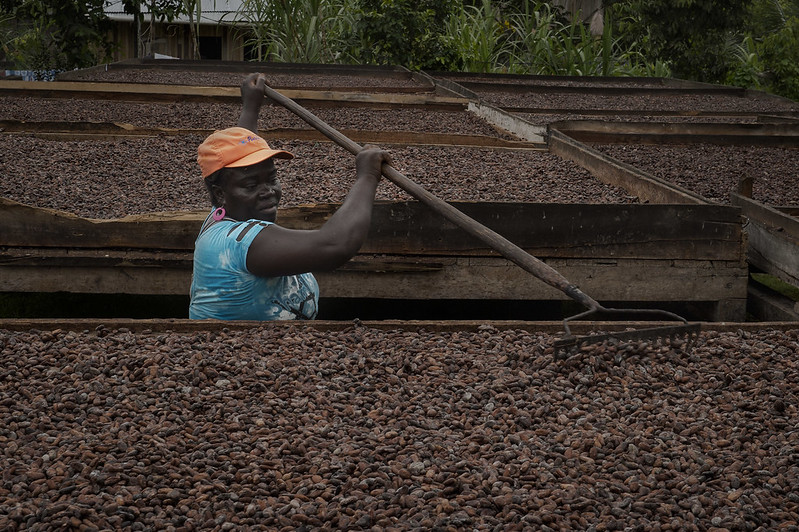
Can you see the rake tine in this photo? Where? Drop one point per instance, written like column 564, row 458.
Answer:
column 686, row 333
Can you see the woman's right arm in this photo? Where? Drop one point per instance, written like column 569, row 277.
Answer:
column 280, row 251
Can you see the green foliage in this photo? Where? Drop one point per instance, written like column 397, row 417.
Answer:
column 68, row 34
column 402, row 32
column 158, row 10
column 779, row 53
column 746, row 69
column 32, row 47
column 538, row 39
column 690, row 35
column 478, row 38
column 51, row 35
column 299, row 31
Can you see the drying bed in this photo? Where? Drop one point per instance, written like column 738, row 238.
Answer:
column 546, row 118
column 215, row 115
column 111, row 179
column 714, row 171
column 300, row 78
column 285, row 427
column 687, row 103
column 470, row 79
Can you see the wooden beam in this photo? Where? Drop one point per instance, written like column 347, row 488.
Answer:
column 775, row 218
column 421, row 278
column 151, row 92
column 768, row 305
column 509, row 122
column 698, row 232
column 645, row 186
column 597, row 131
column 772, row 237
column 104, row 130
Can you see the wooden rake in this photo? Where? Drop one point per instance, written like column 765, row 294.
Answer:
column 684, row 333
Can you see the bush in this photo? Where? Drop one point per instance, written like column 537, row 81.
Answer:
column 779, row 53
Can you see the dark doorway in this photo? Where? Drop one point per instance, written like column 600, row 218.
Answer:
column 210, row 47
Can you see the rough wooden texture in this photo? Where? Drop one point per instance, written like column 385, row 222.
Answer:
column 595, row 131
column 636, row 253
column 773, row 239
column 646, row 187
column 177, row 93
column 400, row 228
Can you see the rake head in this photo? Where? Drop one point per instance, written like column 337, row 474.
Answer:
column 681, row 336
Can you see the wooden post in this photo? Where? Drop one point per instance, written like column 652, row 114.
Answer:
column 745, row 186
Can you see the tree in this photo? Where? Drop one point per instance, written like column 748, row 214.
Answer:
column 60, row 34
column 403, row 32
column 691, row 35
column 161, row 10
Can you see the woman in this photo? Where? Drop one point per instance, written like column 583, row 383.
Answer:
column 246, row 267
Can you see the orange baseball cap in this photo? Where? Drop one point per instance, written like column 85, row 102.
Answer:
column 234, row 147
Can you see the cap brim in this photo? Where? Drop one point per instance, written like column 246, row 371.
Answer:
column 260, row 156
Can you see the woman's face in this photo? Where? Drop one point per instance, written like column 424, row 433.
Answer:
column 251, row 192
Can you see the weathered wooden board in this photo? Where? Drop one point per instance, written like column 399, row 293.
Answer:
column 768, row 305
column 489, row 278
column 28, row 226
column 245, row 67
column 645, row 186
column 613, row 252
column 773, row 239
column 150, row 92
column 508, row 122
column 104, row 130
column 784, row 134
column 382, row 277
column 639, row 86
column 695, row 232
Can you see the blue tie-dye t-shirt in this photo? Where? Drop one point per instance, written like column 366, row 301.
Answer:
column 222, row 287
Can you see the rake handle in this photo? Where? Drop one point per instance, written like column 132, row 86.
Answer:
column 493, row 239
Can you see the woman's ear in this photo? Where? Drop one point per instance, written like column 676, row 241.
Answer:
column 219, row 195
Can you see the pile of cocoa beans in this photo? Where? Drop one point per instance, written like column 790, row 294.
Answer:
column 291, row 427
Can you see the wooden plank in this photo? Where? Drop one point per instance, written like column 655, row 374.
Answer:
column 772, row 238
column 96, row 280
column 412, row 138
column 701, row 232
column 786, row 134
column 645, row 186
column 485, row 278
column 790, row 210
column 104, row 130
column 773, row 251
column 450, row 278
column 151, row 92
column 24, row 225
column 566, row 230
column 509, row 122
column 768, row 305
column 780, row 221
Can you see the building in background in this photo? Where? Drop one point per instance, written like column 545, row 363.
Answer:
column 590, row 11
column 219, row 33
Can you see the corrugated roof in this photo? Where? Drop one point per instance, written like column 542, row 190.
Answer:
column 212, row 12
